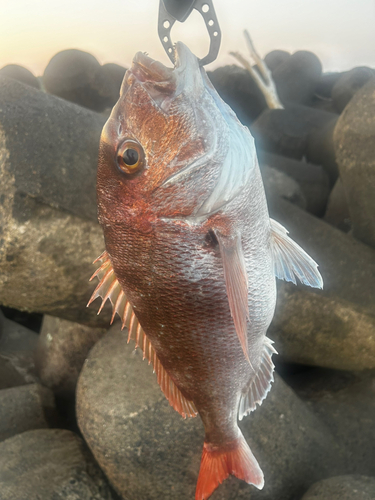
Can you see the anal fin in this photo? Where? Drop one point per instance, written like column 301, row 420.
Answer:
column 110, row 288
column 260, row 384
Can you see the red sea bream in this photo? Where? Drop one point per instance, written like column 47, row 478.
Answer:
column 191, row 253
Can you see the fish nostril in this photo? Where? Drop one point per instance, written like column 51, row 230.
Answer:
column 211, row 240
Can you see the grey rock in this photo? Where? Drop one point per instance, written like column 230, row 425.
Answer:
column 114, row 74
column 297, row 78
column 332, row 327
column 354, row 141
column 20, row 74
column 148, row 451
column 353, row 487
column 337, row 212
column 311, row 178
column 348, row 84
column 345, row 402
column 78, row 77
column 277, row 184
column 49, row 234
column 61, row 351
column 238, row 89
column 320, row 147
column 49, row 464
column 25, row 408
column 276, row 58
column 17, row 345
column 326, row 83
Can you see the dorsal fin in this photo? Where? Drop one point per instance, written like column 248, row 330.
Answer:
column 260, row 384
column 235, row 276
column 291, row 261
column 110, row 288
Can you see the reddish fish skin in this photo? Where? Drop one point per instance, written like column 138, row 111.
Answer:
column 169, row 263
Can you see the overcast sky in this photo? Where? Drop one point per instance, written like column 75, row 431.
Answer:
column 340, row 32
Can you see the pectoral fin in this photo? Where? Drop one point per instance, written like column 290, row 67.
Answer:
column 290, row 261
column 236, row 284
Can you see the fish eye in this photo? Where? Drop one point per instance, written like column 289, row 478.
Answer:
column 130, row 156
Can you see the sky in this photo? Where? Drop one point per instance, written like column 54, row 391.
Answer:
column 340, row 32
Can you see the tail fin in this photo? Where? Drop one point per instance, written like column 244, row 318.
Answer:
column 217, row 464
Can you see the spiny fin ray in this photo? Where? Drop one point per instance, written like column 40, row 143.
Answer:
column 110, row 288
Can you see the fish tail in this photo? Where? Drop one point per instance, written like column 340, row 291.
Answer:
column 219, row 462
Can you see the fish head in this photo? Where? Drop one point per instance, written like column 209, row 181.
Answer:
column 165, row 144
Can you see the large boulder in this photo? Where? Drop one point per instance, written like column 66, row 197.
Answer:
column 50, row 235
column 278, row 184
column 337, row 212
column 148, row 451
column 348, row 84
column 49, row 464
column 276, row 58
column 353, row 487
column 20, row 74
column 332, row 327
column 25, row 408
column 61, row 351
column 354, row 141
column 78, row 77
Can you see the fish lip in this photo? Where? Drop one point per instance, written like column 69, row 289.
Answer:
column 146, row 69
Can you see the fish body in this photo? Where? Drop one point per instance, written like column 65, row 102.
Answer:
column 191, row 253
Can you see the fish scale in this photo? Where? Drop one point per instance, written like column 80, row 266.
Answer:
column 191, row 253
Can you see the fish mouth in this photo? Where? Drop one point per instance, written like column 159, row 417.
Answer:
column 146, row 69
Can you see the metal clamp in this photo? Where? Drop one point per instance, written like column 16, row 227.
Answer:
column 171, row 11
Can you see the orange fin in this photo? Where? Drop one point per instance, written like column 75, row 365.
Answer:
column 110, row 288
column 236, row 284
column 218, row 464
column 260, row 384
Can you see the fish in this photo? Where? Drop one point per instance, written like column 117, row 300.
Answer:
column 191, row 255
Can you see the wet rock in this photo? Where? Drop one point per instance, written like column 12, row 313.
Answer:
column 21, row 74
column 297, row 78
column 49, row 464
column 332, row 327
column 326, row 83
column 355, row 151
column 337, row 212
column 61, row 351
column 312, row 179
column 353, row 487
column 287, row 132
column 17, row 345
column 238, row 89
column 276, row 58
column 277, row 184
column 49, row 232
column 78, row 77
column 25, row 408
column 348, row 84
column 345, row 402
column 148, row 451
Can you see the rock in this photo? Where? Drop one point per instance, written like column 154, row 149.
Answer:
column 320, row 148
column 332, row 327
column 348, row 84
column 345, row 402
column 49, row 464
column 286, row 131
column 312, row 179
column 277, row 184
column 276, row 58
column 49, row 232
column 61, row 351
column 21, row 74
column 326, row 83
column 148, row 451
column 323, row 103
column 238, row 89
column 25, row 408
column 355, row 151
column 114, row 73
column 353, row 487
column 17, row 345
column 78, row 77
column 297, row 78
column 337, row 212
